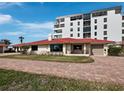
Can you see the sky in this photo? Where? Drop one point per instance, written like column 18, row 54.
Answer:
column 35, row 20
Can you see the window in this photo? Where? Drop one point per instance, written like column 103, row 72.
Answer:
column 86, row 35
column 57, row 20
column 73, row 18
column 58, row 31
column 78, row 23
column 122, row 31
column 95, row 21
column 71, row 24
column 122, row 24
column 56, row 48
column 34, row 48
column 78, row 29
column 105, row 32
column 56, row 26
column 78, row 34
column 122, row 17
column 105, row 26
column 62, row 25
column 105, row 38
column 95, row 33
column 117, row 11
column 86, row 29
column 62, row 20
column 100, row 13
column 71, row 29
column 86, row 23
column 57, row 36
column 86, row 16
column 105, row 19
column 122, row 38
column 71, row 35
column 78, row 17
column 95, row 27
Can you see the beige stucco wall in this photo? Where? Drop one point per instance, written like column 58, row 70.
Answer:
column 68, row 49
column 100, row 51
column 1, row 49
column 29, row 50
column 42, row 49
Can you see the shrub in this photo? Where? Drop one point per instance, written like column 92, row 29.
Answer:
column 114, row 51
column 25, row 48
column 122, row 52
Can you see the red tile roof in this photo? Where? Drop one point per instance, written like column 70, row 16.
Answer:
column 63, row 41
column 3, row 45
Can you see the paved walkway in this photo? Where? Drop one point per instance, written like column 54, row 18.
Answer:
column 103, row 69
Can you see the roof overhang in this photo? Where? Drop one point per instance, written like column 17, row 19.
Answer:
column 3, row 45
column 64, row 41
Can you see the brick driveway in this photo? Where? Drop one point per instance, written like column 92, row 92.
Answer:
column 105, row 69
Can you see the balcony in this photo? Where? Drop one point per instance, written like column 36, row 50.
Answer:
column 78, row 17
column 86, row 35
column 86, row 23
column 56, row 26
column 59, row 25
column 58, row 31
column 86, row 16
column 56, row 36
column 86, row 29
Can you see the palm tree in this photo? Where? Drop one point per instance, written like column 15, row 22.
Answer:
column 21, row 39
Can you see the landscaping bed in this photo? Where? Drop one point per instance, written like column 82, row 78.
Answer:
column 15, row 80
column 73, row 59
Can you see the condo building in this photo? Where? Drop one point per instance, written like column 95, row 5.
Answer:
column 103, row 24
column 81, row 34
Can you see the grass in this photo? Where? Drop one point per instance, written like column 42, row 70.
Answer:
column 75, row 59
column 22, row 81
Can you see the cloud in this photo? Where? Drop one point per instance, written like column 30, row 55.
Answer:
column 5, row 18
column 37, row 26
column 12, row 33
column 37, row 35
column 27, row 29
column 8, row 4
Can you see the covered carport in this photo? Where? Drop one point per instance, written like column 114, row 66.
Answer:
column 97, row 49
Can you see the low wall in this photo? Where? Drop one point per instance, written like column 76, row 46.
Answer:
column 6, row 54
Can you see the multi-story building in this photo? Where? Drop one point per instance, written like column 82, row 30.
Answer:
column 71, row 33
column 106, row 24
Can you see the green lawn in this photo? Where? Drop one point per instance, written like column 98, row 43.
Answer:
column 14, row 80
column 76, row 59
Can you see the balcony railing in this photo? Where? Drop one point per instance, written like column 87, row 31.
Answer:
column 59, row 25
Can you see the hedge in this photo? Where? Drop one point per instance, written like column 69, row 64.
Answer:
column 114, row 51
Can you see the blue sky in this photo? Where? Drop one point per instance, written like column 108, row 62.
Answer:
column 35, row 21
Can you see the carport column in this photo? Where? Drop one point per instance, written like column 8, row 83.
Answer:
column 19, row 49
column 64, row 49
column 49, row 48
column 85, row 48
column 68, row 49
column 16, row 49
column 3, row 49
column 89, row 49
column 105, row 50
